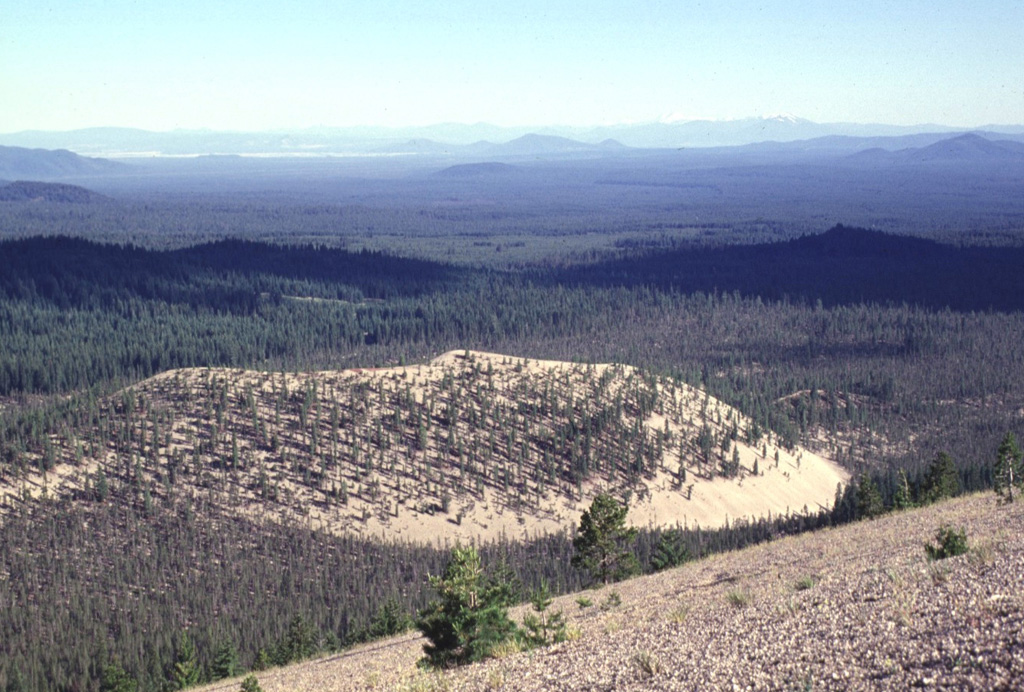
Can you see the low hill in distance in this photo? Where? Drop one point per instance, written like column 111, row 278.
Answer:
column 33, row 191
column 18, row 163
column 485, row 169
column 471, row 446
column 841, row 265
column 965, row 149
column 857, row 607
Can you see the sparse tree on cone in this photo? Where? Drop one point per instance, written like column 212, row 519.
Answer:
column 1008, row 471
column 602, row 545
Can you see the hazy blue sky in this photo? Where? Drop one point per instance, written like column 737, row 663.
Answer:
column 264, row 64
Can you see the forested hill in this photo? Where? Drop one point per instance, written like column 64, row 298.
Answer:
column 34, row 191
column 841, row 266
column 224, row 275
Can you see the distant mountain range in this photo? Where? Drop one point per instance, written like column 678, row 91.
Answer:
column 41, row 164
column 487, row 158
column 485, row 140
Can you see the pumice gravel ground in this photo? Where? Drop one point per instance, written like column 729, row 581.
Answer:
column 854, row 608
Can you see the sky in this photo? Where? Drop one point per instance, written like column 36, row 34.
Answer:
column 266, row 65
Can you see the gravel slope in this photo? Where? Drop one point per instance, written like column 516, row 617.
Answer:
column 856, row 608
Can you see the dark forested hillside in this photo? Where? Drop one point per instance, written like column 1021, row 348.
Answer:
column 841, row 266
column 31, row 191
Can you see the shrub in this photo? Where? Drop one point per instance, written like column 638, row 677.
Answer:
column 805, row 583
column 251, row 684
column 613, row 600
column 950, row 543
column 738, row 598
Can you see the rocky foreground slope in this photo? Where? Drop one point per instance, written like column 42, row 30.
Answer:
column 854, row 608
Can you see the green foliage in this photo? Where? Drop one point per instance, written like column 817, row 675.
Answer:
column 602, row 545
column 262, row 661
column 225, row 662
column 115, row 679
column 672, row 551
column 470, row 617
column 15, row 683
column 612, row 600
column 949, row 543
column 299, row 643
column 869, row 499
column 902, row 499
column 942, row 480
column 389, row 620
column 1008, row 470
column 186, row 671
column 805, row 583
column 543, row 628
column 739, row 598
column 251, row 684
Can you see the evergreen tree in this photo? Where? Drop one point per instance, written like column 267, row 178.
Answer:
column 1008, row 471
column 225, row 662
column 902, row 498
column 186, row 671
column 390, row 619
column 15, row 683
column 299, row 642
column 602, row 543
column 942, row 480
column 543, row 628
column 869, row 499
column 671, row 551
column 471, row 616
column 251, row 684
column 115, row 679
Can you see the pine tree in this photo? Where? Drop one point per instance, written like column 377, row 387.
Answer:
column 543, row 628
column 671, row 551
column 251, row 684
column 942, row 480
column 601, row 545
column 186, row 671
column 115, row 679
column 1008, row 471
column 225, row 662
column 471, row 616
column 15, row 682
column 902, row 499
column 869, row 499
